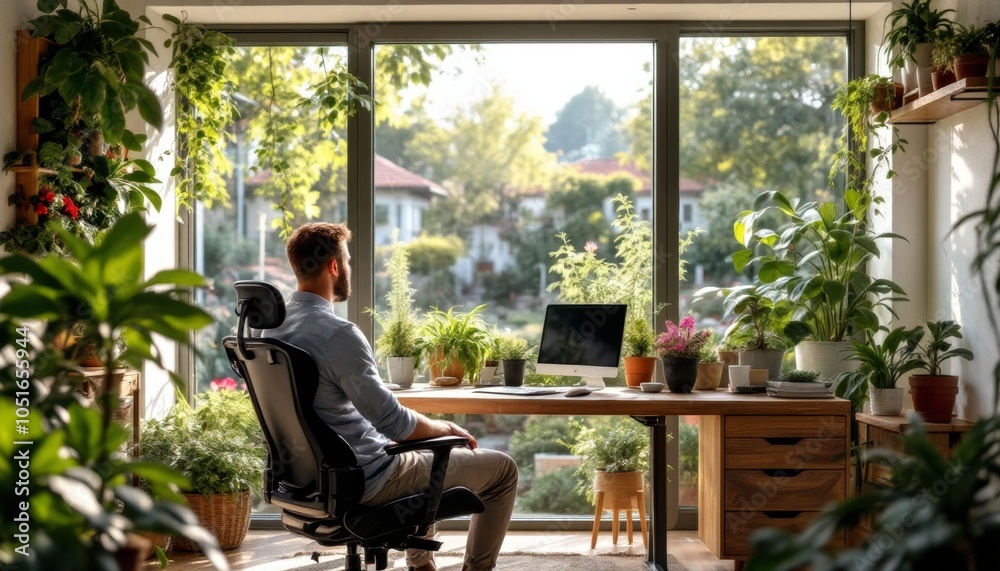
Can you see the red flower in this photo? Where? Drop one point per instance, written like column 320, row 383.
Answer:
column 69, row 208
column 47, row 196
column 41, row 209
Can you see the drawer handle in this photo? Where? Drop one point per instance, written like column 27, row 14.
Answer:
column 784, row 441
column 782, row 473
column 781, row 515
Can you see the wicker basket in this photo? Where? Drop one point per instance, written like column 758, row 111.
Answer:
column 225, row 516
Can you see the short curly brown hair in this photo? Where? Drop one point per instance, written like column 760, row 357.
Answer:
column 313, row 245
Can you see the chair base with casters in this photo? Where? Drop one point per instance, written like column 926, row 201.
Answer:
column 312, row 473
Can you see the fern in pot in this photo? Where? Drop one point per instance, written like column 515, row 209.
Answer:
column 219, row 447
column 456, row 344
column 513, row 352
column 638, row 344
column 399, row 343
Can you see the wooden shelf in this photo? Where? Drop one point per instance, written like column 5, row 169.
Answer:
column 945, row 102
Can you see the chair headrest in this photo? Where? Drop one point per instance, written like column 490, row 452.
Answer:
column 262, row 302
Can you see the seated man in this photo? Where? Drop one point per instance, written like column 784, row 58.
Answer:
column 352, row 399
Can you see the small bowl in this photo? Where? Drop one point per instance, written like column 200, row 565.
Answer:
column 651, row 387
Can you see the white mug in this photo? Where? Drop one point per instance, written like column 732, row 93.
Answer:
column 739, row 376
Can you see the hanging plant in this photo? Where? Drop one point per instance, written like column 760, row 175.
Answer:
column 205, row 108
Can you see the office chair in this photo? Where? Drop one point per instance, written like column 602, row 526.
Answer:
column 312, row 473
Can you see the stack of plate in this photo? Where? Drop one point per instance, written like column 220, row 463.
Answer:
column 814, row 390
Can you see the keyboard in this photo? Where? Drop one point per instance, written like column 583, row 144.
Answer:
column 517, row 391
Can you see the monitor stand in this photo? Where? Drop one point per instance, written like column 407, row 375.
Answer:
column 594, row 383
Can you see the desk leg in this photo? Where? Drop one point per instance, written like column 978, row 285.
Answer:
column 656, row 559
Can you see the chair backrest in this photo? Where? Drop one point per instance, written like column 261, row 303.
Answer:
column 311, row 470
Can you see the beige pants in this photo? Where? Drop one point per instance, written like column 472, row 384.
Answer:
column 491, row 475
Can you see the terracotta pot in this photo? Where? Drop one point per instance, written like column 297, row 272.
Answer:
column 680, row 373
column 439, row 368
column 942, row 78
column 883, row 101
column 513, row 372
column 709, row 376
column 226, row 516
column 971, row 66
column 898, row 99
column 934, row 396
column 639, row 370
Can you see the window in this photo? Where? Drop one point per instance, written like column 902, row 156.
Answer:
column 686, row 216
column 381, row 214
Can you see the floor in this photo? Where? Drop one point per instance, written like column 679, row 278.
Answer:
column 265, row 546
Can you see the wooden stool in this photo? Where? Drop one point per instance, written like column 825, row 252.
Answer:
column 622, row 490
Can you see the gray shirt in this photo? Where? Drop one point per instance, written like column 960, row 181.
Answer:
column 350, row 397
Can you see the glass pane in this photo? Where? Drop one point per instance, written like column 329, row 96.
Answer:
column 755, row 115
column 484, row 154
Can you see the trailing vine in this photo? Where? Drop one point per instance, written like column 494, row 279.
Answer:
column 205, row 109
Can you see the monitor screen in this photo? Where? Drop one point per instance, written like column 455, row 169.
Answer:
column 582, row 335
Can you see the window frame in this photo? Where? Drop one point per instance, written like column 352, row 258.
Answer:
column 664, row 35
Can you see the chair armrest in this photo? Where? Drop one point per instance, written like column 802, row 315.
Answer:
column 435, row 443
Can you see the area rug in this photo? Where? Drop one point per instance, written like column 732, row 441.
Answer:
column 452, row 561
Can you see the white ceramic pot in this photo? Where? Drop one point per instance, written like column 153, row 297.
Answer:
column 401, row 370
column 908, row 77
column 886, row 402
column 487, row 374
column 769, row 359
column 924, row 68
column 829, row 358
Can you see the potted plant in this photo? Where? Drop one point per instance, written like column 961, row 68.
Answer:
column 678, row 348
column 933, row 393
column 637, row 345
column 614, row 456
column 399, row 341
column 709, row 367
column 819, row 267
column 514, row 353
column 799, row 376
column 943, row 61
column 968, row 50
column 219, row 447
column 100, row 293
column 455, row 344
column 734, row 341
column 914, row 28
column 882, row 365
column 762, row 313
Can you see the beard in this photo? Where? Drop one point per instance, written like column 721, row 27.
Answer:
column 342, row 289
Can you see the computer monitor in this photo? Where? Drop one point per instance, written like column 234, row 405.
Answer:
column 582, row 340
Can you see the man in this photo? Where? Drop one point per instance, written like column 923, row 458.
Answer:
column 352, row 399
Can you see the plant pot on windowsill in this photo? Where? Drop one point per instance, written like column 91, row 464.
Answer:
column 886, row 402
column 401, row 370
column 513, row 372
column 440, row 368
column 639, row 370
column 971, row 66
column 942, row 78
column 680, row 373
column 934, row 396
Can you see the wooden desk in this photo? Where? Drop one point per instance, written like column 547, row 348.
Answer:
column 754, row 433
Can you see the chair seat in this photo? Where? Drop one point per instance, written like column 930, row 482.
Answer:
column 409, row 512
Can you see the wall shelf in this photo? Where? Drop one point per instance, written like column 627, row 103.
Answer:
column 945, row 102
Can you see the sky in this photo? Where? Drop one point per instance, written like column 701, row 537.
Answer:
column 541, row 77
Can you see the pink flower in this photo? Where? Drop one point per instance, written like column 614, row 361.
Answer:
column 590, row 247
column 687, row 323
column 226, row 384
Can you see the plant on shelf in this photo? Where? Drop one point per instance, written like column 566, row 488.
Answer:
column 637, row 346
column 91, row 511
column 200, row 59
column 513, row 352
column 914, row 28
column 966, row 52
column 89, row 79
column 399, row 342
column 934, row 393
column 456, row 344
column 678, row 348
column 881, row 366
column 219, row 447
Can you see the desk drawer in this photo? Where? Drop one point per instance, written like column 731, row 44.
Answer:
column 800, row 490
column 786, row 426
column 785, row 453
column 740, row 526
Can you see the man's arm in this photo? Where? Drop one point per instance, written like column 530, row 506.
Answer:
column 427, row 428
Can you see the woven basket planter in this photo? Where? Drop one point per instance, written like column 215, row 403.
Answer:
column 225, row 516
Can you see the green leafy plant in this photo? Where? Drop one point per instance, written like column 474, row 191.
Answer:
column 912, row 24
column 614, row 445
column 938, row 348
column 761, row 315
column 507, row 346
column 401, row 323
column 883, row 363
column 78, row 472
column 798, row 376
column 963, row 41
column 457, row 336
column 639, row 338
column 200, row 59
column 709, row 352
column 816, row 262
column 217, row 446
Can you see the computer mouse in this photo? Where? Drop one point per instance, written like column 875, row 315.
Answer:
column 578, row 392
